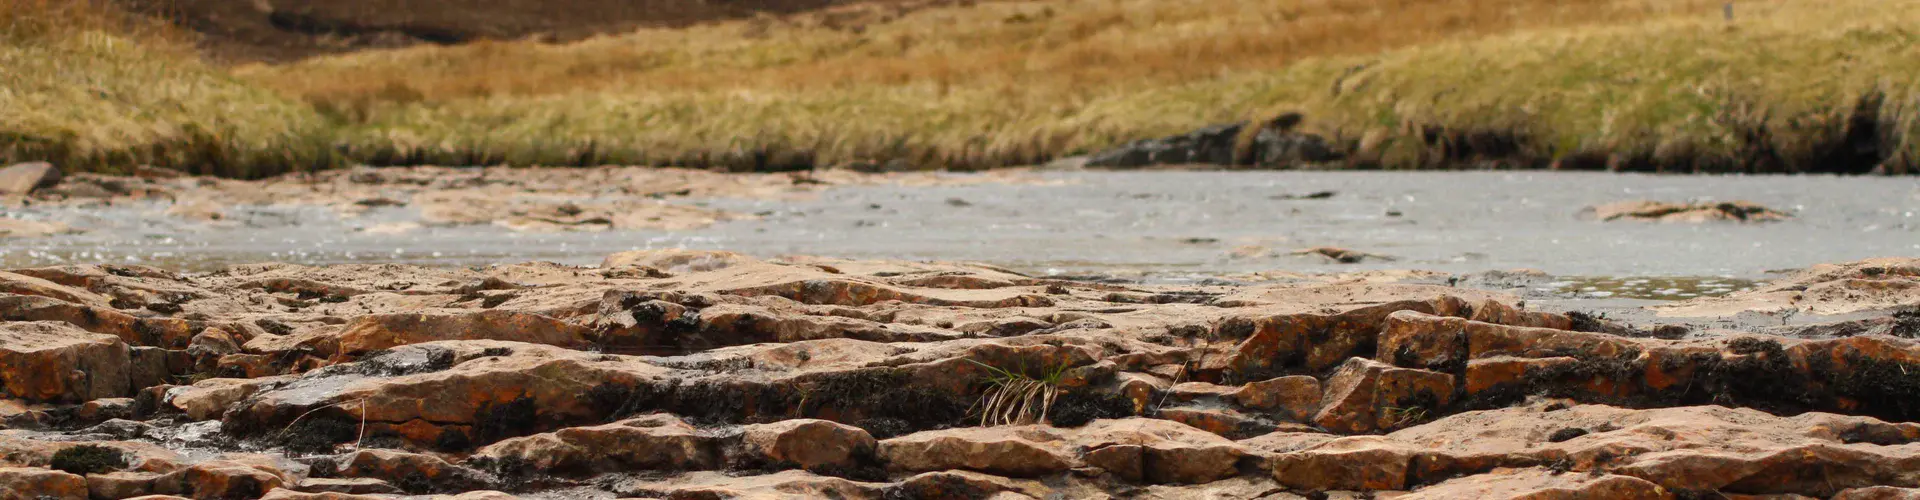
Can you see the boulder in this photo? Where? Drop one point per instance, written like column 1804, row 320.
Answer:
column 1367, row 396
column 49, row 361
column 412, row 470
column 1295, row 398
column 32, row 483
column 23, row 178
column 808, row 444
column 1022, row 451
column 382, row 331
column 1157, row 451
column 652, row 442
column 221, row 479
column 1540, row 483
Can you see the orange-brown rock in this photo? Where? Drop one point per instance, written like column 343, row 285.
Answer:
column 652, row 442
column 399, row 467
column 1366, row 396
column 808, row 443
column 121, row 484
column 52, row 361
column 1024, row 451
column 1541, row 484
column 1157, row 451
column 371, row 333
column 29, row 483
column 1693, row 448
column 785, row 484
column 221, row 479
column 1295, row 398
column 1879, row 493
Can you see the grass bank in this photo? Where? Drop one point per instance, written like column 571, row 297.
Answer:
column 91, row 89
column 1631, row 84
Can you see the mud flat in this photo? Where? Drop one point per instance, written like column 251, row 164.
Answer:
column 705, row 374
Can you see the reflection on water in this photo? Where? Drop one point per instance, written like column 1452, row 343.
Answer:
column 1651, row 288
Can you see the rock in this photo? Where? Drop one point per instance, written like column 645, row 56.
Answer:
column 21, row 284
column 1211, row 145
column 159, row 332
column 48, row 361
column 288, row 494
column 1279, row 145
column 1190, row 391
column 210, row 398
column 153, row 172
column 652, row 442
column 809, row 444
column 1316, row 195
column 23, row 178
column 1366, row 396
column 677, row 261
column 785, row 484
column 1157, row 451
column 220, row 479
column 356, row 486
column 33, row 483
column 1295, row 398
column 413, row 470
column 1025, row 451
column 447, row 394
column 1541, row 483
column 1703, row 448
column 1879, row 493
column 1225, row 422
column 121, row 484
column 376, row 332
column 1342, row 255
column 1275, row 145
column 20, row 228
column 101, row 410
column 1826, row 289
column 1654, row 211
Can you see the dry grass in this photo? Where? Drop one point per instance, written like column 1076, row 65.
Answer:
column 1403, row 83
column 958, row 87
column 92, row 89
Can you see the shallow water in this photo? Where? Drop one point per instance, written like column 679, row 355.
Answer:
column 1152, row 225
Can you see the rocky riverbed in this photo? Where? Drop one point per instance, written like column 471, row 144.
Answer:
column 704, row 374
column 488, row 333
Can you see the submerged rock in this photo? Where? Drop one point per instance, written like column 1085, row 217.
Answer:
column 1275, row 144
column 23, row 178
column 1655, row 211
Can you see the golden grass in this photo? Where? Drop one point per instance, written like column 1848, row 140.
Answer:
column 1402, row 83
column 92, row 89
column 958, row 87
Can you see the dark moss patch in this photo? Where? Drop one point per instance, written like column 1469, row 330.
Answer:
column 88, row 459
column 1566, row 434
column 319, row 434
column 497, row 421
column 1078, row 408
